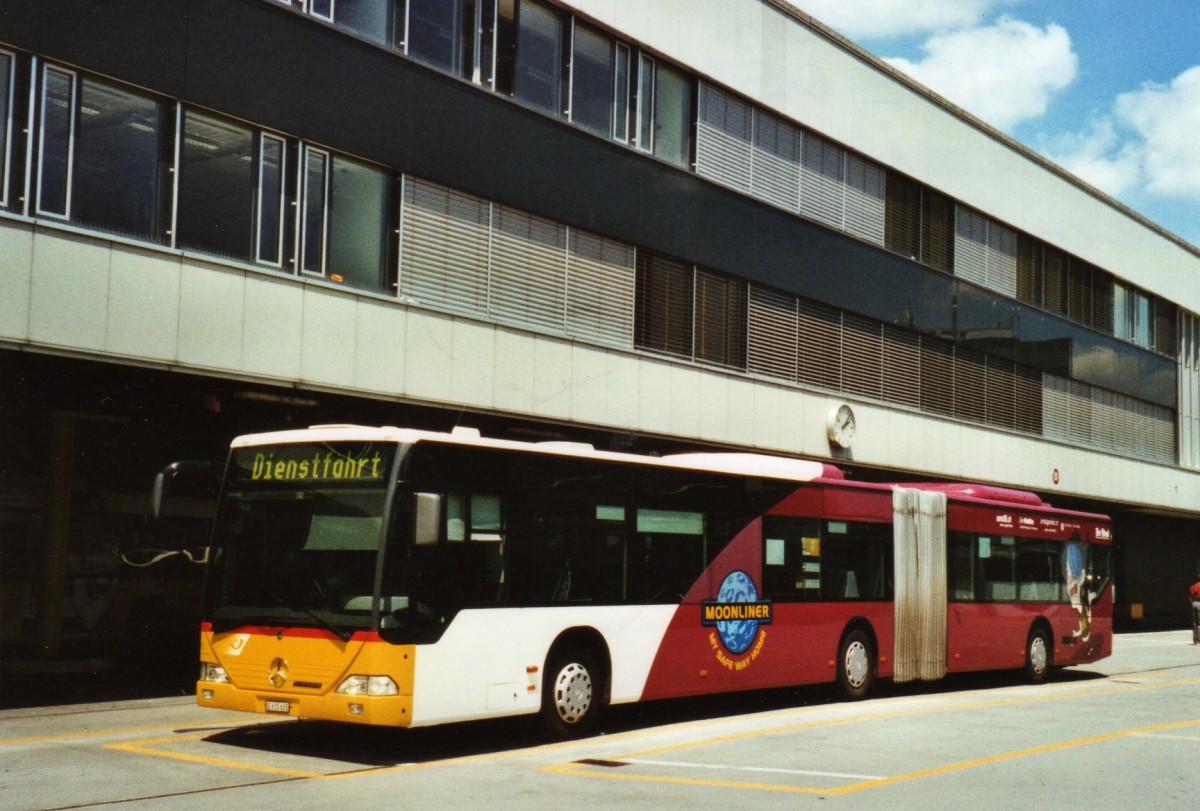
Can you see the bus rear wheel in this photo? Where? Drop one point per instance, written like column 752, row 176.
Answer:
column 856, row 665
column 1037, row 656
column 572, row 693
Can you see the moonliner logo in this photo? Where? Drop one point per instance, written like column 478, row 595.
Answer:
column 737, row 612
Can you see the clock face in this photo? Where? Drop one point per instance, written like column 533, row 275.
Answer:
column 841, row 426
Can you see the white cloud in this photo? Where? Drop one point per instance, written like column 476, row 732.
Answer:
column 1165, row 120
column 1099, row 156
column 867, row 19
column 1147, row 143
column 1005, row 73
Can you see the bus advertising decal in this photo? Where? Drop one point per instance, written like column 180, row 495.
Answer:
column 736, row 615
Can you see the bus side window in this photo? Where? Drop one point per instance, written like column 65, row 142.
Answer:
column 998, row 556
column 961, row 566
column 1039, row 573
column 791, row 558
column 474, row 532
column 667, row 554
column 856, row 561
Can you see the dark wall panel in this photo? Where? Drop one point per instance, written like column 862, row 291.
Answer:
column 248, row 58
column 136, row 41
column 21, row 23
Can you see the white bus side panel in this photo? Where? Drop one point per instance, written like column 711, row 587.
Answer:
column 484, row 664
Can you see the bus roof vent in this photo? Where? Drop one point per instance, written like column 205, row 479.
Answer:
column 465, row 432
column 561, row 445
column 984, row 492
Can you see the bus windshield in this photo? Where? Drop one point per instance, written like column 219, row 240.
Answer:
column 298, row 534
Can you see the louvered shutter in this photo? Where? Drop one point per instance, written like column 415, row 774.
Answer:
column 444, row 247
column 862, row 356
column 901, row 366
column 663, row 321
column 772, row 333
column 937, row 376
column 720, row 319
column 820, row 346
column 529, row 267
column 864, row 199
column 775, row 175
column 822, row 180
column 970, row 388
column 723, row 138
column 600, row 282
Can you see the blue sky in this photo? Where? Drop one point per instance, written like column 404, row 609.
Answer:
column 1108, row 89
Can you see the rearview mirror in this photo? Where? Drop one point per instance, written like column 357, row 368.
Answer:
column 427, row 519
column 194, row 479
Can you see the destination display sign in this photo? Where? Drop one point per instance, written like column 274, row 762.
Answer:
column 312, row 463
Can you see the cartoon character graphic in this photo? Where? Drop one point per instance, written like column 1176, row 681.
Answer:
column 1074, row 565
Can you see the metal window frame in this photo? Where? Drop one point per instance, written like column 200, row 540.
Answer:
column 259, row 213
column 647, row 68
column 308, row 8
column 10, row 94
column 621, row 51
column 302, row 235
column 73, row 105
column 175, row 172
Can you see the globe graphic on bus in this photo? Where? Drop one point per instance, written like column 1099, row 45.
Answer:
column 737, row 635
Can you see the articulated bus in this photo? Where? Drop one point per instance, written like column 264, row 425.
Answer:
column 407, row 578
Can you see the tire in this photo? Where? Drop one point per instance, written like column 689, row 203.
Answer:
column 856, row 665
column 1039, row 656
column 572, row 693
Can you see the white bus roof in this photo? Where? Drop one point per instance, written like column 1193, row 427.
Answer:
column 743, row 464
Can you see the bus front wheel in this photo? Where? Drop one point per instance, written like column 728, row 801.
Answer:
column 1037, row 656
column 572, row 693
column 856, row 665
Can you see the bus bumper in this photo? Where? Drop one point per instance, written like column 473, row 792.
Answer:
column 393, row 711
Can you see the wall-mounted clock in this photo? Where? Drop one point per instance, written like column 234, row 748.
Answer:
column 840, row 426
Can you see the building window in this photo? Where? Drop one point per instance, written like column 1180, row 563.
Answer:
column 272, row 160
column 644, row 119
column 231, row 190
column 919, row 222
column 100, row 158
column 621, row 93
column 437, row 33
column 216, row 187
column 593, row 80
column 345, row 210
column 1133, row 315
column 672, row 115
column 538, row 70
column 373, row 19
column 57, row 127
column 359, row 213
column 315, row 201
column 664, row 304
column 720, row 319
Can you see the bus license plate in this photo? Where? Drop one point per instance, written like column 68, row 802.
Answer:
column 278, row 706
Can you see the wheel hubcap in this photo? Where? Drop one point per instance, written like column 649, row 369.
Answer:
column 572, row 693
column 856, row 664
column 1037, row 654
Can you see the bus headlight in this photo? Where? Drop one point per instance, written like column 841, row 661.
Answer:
column 214, row 673
column 368, row 686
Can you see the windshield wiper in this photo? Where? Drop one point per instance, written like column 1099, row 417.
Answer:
column 341, row 633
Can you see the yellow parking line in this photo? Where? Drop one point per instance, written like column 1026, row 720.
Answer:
column 237, row 721
column 144, row 748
